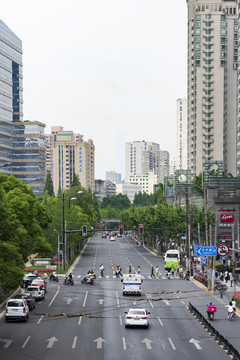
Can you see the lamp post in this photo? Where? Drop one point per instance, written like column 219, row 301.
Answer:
column 63, row 228
column 57, row 232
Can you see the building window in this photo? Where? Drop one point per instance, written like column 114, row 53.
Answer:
column 197, row 32
column 223, row 32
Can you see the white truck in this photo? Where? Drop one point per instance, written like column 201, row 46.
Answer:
column 132, row 284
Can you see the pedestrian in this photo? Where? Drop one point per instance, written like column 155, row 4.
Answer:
column 35, row 272
column 129, row 269
column 231, row 278
column 101, row 270
column 234, row 306
column 139, row 270
column 157, row 272
column 172, row 270
column 216, row 274
column 119, row 270
column 152, row 272
column 226, row 276
column 221, row 276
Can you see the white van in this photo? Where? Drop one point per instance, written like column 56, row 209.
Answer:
column 172, row 259
column 132, row 284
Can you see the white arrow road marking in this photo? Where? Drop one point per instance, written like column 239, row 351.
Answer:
column 51, row 341
column 196, row 343
column 99, row 342
column 7, row 342
column 101, row 301
column 85, row 299
column 124, row 343
column 147, row 343
column 25, row 342
column 69, row 300
column 74, row 342
column 172, row 344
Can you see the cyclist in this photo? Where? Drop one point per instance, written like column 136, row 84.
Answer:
column 234, row 306
column 230, row 310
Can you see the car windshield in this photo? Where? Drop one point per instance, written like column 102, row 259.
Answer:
column 137, row 312
column 14, row 303
column 172, row 256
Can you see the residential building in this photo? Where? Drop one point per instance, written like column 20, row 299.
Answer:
column 142, row 157
column 113, row 176
column 212, row 83
column 49, row 145
column 73, row 155
column 147, row 182
column 181, row 134
column 104, row 188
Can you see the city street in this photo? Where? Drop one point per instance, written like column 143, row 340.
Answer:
column 87, row 321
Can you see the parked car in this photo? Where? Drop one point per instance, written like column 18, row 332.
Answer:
column 16, row 309
column 36, row 291
column 137, row 317
column 29, row 299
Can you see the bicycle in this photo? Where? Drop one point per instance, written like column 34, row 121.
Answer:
column 230, row 315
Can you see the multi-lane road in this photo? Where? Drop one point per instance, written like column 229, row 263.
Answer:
column 87, row 322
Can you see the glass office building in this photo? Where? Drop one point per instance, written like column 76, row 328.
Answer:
column 22, row 150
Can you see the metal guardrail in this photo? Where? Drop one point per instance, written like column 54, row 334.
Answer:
column 221, row 340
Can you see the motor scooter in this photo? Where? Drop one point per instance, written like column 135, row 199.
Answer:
column 68, row 282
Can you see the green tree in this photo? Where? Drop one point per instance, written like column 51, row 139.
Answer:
column 119, row 202
column 11, row 267
column 49, row 184
column 76, row 181
column 143, row 199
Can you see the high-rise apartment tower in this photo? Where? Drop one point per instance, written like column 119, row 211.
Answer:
column 212, row 83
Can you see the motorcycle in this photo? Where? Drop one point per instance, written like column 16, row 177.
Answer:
column 210, row 315
column 68, row 282
column 54, row 278
column 211, row 309
column 87, row 281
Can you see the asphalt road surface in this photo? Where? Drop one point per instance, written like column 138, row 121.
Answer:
column 87, row 321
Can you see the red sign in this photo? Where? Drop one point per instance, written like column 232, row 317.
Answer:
column 222, row 250
column 227, row 217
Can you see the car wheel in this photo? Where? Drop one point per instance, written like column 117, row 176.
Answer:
column 126, row 326
column 6, row 319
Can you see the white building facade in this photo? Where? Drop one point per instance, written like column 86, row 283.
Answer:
column 181, row 134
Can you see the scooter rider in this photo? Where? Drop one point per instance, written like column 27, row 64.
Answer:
column 211, row 310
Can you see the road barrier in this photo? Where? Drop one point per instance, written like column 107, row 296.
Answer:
column 221, row 340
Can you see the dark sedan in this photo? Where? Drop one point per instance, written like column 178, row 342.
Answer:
column 29, row 299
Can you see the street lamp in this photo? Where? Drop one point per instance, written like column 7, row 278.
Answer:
column 57, row 232
column 63, row 228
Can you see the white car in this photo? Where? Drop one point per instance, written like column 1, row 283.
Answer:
column 16, row 309
column 112, row 238
column 137, row 317
column 36, row 291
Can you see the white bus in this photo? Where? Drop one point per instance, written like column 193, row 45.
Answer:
column 132, row 284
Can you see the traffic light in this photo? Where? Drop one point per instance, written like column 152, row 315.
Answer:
column 121, row 229
column 84, row 230
column 60, row 248
column 141, row 229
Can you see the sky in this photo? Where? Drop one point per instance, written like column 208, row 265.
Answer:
column 108, row 69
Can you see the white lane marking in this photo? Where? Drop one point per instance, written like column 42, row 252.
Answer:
column 74, row 342
column 79, row 276
column 107, row 276
column 26, row 341
column 85, row 299
column 172, row 344
column 54, row 296
column 80, row 320
column 124, row 343
column 160, row 321
column 182, row 302
column 118, row 305
column 41, row 317
column 148, row 298
column 120, row 319
column 166, row 302
column 196, row 343
column 147, row 343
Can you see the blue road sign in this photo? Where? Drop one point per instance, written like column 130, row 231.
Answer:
column 205, row 251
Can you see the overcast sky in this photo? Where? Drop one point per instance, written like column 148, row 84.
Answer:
column 111, row 70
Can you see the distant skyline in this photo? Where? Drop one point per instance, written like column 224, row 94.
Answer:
column 109, row 70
